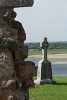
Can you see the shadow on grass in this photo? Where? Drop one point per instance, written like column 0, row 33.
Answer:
column 61, row 84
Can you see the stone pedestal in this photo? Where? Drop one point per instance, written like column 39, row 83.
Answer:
column 44, row 73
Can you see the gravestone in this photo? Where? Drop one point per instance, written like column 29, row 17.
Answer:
column 16, row 74
column 44, row 72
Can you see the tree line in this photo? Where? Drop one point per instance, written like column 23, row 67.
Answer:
column 52, row 45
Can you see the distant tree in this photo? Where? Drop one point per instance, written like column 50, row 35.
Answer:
column 36, row 45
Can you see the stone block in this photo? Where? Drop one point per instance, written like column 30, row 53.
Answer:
column 21, row 32
column 11, row 45
column 6, row 64
column 24, row 72
column 21, row 53
column 16, row 3
column 6, row 94
column 2, row 97
column 16, row 75
column 8, row 34
column 10, row 84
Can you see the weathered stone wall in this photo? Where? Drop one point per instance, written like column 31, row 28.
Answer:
column 6, row 64
column 16, row 75
column 15, row 3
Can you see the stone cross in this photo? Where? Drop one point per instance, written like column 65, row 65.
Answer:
column 44, row 46
column 44, row 72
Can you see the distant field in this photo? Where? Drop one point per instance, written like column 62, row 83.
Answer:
column 50, row 51
column 34, row 52
column 57, row 51
column 50, row 92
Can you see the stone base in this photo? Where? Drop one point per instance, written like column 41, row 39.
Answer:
column 44, row 73
column 18, row 88
column 45, row 81
column 44, row 70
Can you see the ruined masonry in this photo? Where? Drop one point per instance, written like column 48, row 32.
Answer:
column 16, row 74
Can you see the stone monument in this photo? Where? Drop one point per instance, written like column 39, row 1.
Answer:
column 16, row 74
column 44, row 73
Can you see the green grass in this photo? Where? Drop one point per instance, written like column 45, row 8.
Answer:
column 50, row 92
column 57, row 51
column 50, row 51
column 34, row 52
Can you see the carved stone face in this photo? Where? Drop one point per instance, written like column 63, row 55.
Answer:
column 16, row 3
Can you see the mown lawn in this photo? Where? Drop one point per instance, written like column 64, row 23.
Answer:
column 50, row 92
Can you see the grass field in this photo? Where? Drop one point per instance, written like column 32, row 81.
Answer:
column 34, row 52
column 57, row 51
column 50, row 51
column 50, row 92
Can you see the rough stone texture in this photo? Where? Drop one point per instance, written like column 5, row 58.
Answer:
column 8, row 20
column 16, row 3
column 8, row 34
column 2, row 97
column 24, row 72
column 21, row 32
column 21, row 53
column 16, row 75
column 6, row 94
column 8, row 38
column 6, row 64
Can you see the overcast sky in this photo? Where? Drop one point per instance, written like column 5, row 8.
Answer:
column 46, row 18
